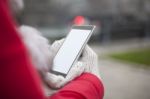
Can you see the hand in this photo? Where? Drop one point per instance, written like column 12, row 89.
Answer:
column 57, row 81
column 90, row 61
column 87, row 63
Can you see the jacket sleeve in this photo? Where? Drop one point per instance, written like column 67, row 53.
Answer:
column 18, row 78
column 87, row 86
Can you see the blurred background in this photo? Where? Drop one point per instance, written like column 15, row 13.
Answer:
column 121, row 39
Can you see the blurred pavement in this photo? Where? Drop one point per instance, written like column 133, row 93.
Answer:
column 123, row 80
column 121, row 46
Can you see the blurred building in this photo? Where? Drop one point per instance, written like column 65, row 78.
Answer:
column 118, row 19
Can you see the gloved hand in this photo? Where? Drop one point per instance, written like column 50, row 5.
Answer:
column 87, row 63
column 42, row 55
column 90, row 61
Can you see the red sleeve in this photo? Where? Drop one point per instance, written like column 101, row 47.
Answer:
column 18, row 78
column 87, row 86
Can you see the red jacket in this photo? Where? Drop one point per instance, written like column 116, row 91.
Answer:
column 20, row 80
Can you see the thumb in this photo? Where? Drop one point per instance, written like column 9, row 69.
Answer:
column 75, row 71
column 56, row 45
column 53, row 80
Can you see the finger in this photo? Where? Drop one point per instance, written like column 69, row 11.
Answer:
column 56, row 45
column 75, row 71
column 53, row 80
column 95, row 71
column 88, row 54
column 89, row 59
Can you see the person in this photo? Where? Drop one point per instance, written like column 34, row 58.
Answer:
column 19, row 79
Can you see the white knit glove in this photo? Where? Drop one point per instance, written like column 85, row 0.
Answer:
column 87, row 63
column 90, row 61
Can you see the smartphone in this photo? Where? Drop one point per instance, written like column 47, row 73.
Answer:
column 71, row 49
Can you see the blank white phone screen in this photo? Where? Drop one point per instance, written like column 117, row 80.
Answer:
column 69, row 50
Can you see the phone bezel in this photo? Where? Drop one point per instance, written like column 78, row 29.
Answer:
column 85, row 27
